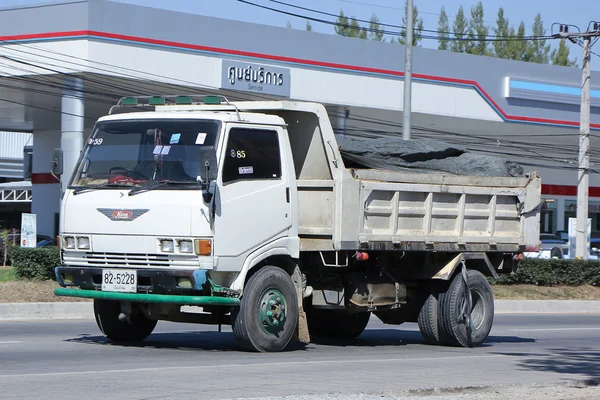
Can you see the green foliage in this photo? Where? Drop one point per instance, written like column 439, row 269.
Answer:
column 443, row 28
column 553, row 272
column 35, row 263
column 349, row 27
column 375, row 31
column 308, row 26
column 539, row 50
column 501, row 29
column 417, row 27
column 459, row 27
column 560, row 56
column 479, row 31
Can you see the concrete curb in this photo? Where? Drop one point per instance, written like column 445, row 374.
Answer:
column 60, row 310
column 84, row 310
column 547, row 306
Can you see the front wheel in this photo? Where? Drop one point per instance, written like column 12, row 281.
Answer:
column 268, row 314
column 107, row 313
column 453, row 309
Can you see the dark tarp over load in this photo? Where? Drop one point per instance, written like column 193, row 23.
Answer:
column 422, row 155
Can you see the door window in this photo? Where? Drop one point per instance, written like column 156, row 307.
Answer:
column 251, row 154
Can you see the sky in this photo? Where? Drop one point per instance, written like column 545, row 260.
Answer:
column 388, row 11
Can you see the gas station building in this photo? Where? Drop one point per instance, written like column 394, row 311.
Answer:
column 63, row 64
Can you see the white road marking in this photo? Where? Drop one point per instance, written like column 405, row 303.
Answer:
column 11, row 342
column 555, row 329
column 251, row 365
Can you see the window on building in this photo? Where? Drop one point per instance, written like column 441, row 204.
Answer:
column 251, row 154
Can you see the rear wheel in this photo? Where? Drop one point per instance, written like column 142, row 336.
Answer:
column 429, row 316
column 453, row 309
column 336, row 324
column 268, row 314
column 107, row 313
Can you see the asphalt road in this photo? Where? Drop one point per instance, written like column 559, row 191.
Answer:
column 72, row 360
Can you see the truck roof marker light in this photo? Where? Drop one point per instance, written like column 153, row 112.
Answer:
column 156, row 101
column 212, row 100
column 129, row 101
column 183, row 100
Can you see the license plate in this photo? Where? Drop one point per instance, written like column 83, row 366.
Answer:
column 119, row 280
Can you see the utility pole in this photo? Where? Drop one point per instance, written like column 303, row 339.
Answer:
column 583, row 179
column 408, row 71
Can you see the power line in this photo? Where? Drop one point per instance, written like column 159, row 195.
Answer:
column 394, row 33
column 473, row 35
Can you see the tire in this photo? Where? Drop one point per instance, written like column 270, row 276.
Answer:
column 336, row 324
column 428, row 317
column 107, row 313
column 453, row 328
column 266, row 291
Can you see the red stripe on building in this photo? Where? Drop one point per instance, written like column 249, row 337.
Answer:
column 43, row 177
column 565, row 190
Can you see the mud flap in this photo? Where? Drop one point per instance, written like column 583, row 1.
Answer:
column 301, row 334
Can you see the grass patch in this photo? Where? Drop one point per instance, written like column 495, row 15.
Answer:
column 7, row 274
column 532, row 292
column 22, row 291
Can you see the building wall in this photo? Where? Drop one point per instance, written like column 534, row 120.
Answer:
column 45, row 194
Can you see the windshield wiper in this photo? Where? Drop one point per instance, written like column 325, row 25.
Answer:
column 157, row 185
column 79, row 189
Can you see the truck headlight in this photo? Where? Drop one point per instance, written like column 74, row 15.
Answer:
column 186, row 246
column 83, row 243
column 69, row 242
column 167, row 245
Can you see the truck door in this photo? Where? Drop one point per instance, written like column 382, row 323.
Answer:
column 253, row 201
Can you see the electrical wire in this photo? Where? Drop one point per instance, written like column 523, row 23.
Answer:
column 472, row 35
column 394, row 33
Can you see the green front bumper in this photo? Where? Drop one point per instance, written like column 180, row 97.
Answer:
column 150, row 298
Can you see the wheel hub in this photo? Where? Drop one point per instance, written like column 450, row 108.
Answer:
column 272, row 311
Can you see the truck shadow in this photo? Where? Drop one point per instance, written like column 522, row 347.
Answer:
column 582, row 361
column 225, row 341
column 398, row 337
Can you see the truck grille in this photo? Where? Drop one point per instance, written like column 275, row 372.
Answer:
column 129, row 260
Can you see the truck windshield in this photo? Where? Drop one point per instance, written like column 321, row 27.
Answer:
column 143, row 152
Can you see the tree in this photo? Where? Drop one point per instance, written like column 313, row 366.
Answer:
column 308, row 26
column 443, row 29
column 375, row 31
column 349, row 27
column 342, row 25
column 459, row 27
column 517, row 47
column 501, row 30
column 288, row 24
column 478, row 31
column 538, row 49
column 417, row 27
column 560, row 56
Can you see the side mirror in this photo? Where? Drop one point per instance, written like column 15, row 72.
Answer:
column 56, row 165
column 207, row 160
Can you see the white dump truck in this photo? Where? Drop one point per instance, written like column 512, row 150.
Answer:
column 197, row 209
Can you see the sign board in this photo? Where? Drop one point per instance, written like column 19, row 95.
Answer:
column 573, row 236
column 248, row 77
column 593, row 206
column 28, row 230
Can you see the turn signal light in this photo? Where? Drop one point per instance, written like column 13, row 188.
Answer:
column 203, row 247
